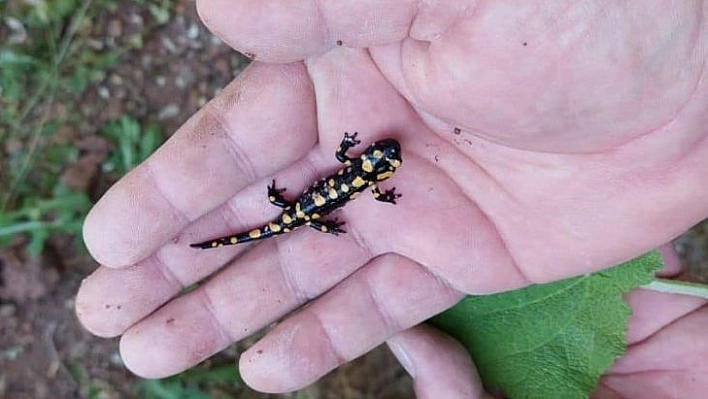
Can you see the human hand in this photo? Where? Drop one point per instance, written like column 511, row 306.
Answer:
column 567, row 160
column 666, row 352
column 665, row 358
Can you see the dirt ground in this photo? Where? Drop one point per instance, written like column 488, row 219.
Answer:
column 44, row 352
column 167, row 72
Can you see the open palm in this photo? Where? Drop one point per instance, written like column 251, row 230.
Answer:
column 537, row 144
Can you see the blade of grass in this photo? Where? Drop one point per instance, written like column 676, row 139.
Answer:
column 47, row 85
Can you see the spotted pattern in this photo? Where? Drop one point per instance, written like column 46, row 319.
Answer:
column 377, row 163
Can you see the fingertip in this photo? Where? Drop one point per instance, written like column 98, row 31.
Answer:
column 107, row 227
column 87, row 309
column 109, row 301
column 258, row 371
column 439, row 365
column 281, row 31
column 285, row 31
column 93, row 236
column 252, row 372
column 131, row 220
column 288, row 358
column 149, row 350
column 171, row 340
column 142, row 359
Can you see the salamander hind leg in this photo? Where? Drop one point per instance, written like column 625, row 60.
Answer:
column 275, row 196
column 327, row 226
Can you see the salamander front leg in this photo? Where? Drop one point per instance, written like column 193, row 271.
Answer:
column 387, row 196
column 347, row 143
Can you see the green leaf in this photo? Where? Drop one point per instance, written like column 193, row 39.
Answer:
column 133, row 143
column 552, row 340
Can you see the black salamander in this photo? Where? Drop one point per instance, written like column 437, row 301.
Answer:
column 376, row 164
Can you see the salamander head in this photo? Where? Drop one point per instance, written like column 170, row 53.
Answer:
column 385, row 158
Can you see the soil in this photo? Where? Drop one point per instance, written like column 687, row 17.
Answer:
column 44, row 352
column 167, row 71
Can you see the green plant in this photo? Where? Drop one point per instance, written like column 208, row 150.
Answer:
column 40, row 94
column 554, row 340
column 192, row 384
column 45, row 206
column 34, row 67
column 38, row 87
column 134, row 143
column 39, row 217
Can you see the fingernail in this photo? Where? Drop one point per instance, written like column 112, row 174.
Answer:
column 402, row 355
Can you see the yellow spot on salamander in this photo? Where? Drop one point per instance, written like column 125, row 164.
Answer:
column 332, row 193
column 274, row 227
column 331, row 182
column 255, row 233
column 378, row 154
column 344, row 188
column 384, row 175
column 298, row 211
column 323, row 229
column 395, row 163
column 354, row 195
column 287, row 219
column 316, row 216
column 319, row 199
column 214, row 244
column 233, row 239
column 271, row 198
column 367, row 166
column 358, row 182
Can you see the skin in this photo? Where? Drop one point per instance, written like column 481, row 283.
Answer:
column 539, row 142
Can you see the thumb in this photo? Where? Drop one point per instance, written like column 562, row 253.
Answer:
column 287, row 30
column 439, row 365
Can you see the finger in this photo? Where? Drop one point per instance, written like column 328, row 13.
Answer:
column 266, row 110
column 268, row 282
column 653, row 310
column 288, row 31
column 110, row 300
column 672, row 262
column 439, row 365
column 672, row 362
column 390, row 294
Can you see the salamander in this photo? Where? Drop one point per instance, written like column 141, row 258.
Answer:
column 376, row 164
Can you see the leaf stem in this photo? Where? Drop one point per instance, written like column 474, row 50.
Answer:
column 678, row 287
